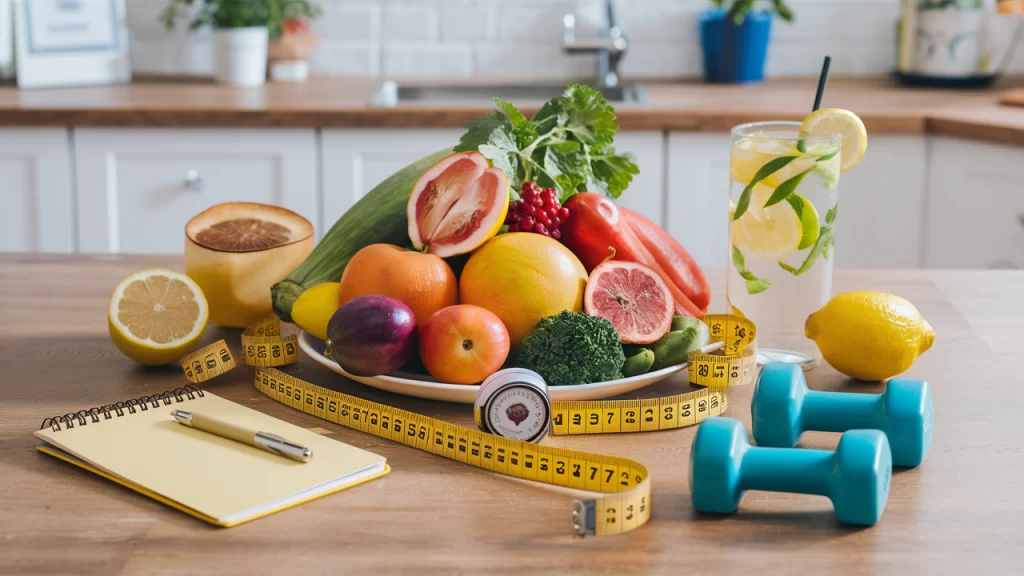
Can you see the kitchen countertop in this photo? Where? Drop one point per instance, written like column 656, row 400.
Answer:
column 957, row 513
column 343, row 102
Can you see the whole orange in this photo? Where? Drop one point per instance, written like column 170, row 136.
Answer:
column 463, row 344
column 523, row 277
column 422, row 282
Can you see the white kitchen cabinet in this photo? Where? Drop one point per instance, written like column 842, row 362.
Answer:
column 137, row 188
column 646, row 193
column 975, row 215
column 881, row 205
column 35, row 169
column 881, row 201
column 697, row 196
column 356, row 160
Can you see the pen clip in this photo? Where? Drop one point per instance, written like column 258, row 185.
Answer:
column 279, row 445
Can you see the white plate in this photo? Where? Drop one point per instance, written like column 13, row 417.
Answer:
column 426, row 387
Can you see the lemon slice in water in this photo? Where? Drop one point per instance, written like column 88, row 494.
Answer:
column 156, row 316
column 770, row 233
column 828, row 122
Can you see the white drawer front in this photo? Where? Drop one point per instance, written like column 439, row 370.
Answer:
column 138, row 188
column 975, row 205
column 35, row 188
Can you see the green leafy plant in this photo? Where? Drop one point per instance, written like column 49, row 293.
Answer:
column 567, row 145
column 239, row 13
column 738, row 9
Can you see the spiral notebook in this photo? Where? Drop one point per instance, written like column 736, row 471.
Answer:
column 139, row 445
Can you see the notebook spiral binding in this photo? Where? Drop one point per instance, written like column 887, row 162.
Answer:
column 142, row 403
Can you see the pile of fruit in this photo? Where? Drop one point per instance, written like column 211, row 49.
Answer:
column 506, row 250
column 519, row 256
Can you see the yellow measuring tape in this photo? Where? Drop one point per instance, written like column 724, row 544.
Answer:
column 624, row 500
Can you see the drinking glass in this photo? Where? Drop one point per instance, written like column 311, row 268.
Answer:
column 783, row 201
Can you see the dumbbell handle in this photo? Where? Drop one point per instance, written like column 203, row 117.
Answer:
column 787, row 470
column 839, row 411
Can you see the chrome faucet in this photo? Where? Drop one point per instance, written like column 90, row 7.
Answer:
column 610, row 47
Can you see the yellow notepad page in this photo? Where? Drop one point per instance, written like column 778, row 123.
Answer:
column 226, row 481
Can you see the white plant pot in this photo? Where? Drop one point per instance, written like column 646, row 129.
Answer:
column 240, row 56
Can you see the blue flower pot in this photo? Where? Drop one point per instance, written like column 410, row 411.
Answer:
column 734, row 53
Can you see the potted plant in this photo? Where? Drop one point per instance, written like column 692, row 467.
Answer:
column 242, row 29
column 735, row 38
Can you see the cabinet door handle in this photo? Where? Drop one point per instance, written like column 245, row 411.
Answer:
column 193, row 181
column 1020, row 218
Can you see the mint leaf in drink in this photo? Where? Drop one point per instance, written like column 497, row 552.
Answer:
column 830, row 216
column 755, row 285
column 769, row 168
column 828, row 156
column 825, row 240
column 786, row 188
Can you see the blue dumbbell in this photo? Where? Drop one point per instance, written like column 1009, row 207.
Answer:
column 723, row 466
column 783, row 408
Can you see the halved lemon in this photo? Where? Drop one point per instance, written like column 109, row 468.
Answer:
column 828, row 122
column 156, row 316
column 770, row 233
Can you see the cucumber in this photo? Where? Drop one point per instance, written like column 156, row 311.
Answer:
column 379, row 217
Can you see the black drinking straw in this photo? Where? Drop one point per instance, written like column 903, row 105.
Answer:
column 822, row 80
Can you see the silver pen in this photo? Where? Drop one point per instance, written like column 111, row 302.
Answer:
column 262, row 440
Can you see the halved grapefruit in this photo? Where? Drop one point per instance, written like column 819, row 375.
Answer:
column 457, row 205
column 631, row 296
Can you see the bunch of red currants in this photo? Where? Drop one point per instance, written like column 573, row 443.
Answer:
column 538, row 211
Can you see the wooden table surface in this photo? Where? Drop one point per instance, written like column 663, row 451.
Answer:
column 958, row 513
column 885, row 106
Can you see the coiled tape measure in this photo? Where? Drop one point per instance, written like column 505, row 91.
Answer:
column 514, row 412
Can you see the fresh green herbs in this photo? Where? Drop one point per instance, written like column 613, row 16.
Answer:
column 567, row 145
column 239, row 13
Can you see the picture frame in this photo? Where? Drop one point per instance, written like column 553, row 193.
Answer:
column 70, row 43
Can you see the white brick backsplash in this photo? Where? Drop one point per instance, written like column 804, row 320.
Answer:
column 346, row 58
column 663, row 60
column 410, row 22
column 532, row 62
column 467, row 21
column 533, row 22
column 435, row 60
column 348, row 21
column 522, row 38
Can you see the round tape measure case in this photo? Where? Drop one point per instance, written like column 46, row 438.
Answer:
column 514, row 403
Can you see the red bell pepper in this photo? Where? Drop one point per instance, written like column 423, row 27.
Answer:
column 673, row 258
column 597, row 229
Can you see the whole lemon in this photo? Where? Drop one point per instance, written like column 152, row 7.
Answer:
column 869, row 335
column 523, row 277
column 313, row 308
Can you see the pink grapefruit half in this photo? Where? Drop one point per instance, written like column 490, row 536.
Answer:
column 633, row 298
column 457, row 205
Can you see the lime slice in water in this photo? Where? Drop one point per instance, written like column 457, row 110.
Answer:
column 808, row 216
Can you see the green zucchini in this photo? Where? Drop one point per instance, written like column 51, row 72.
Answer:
column 379, row 217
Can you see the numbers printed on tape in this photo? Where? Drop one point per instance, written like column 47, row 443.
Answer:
column 623, row 500
column 736, row 364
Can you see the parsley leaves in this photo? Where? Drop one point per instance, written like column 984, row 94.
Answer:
column 567, row 145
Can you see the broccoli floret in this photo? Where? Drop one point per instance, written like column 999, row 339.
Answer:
column 572, row 348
